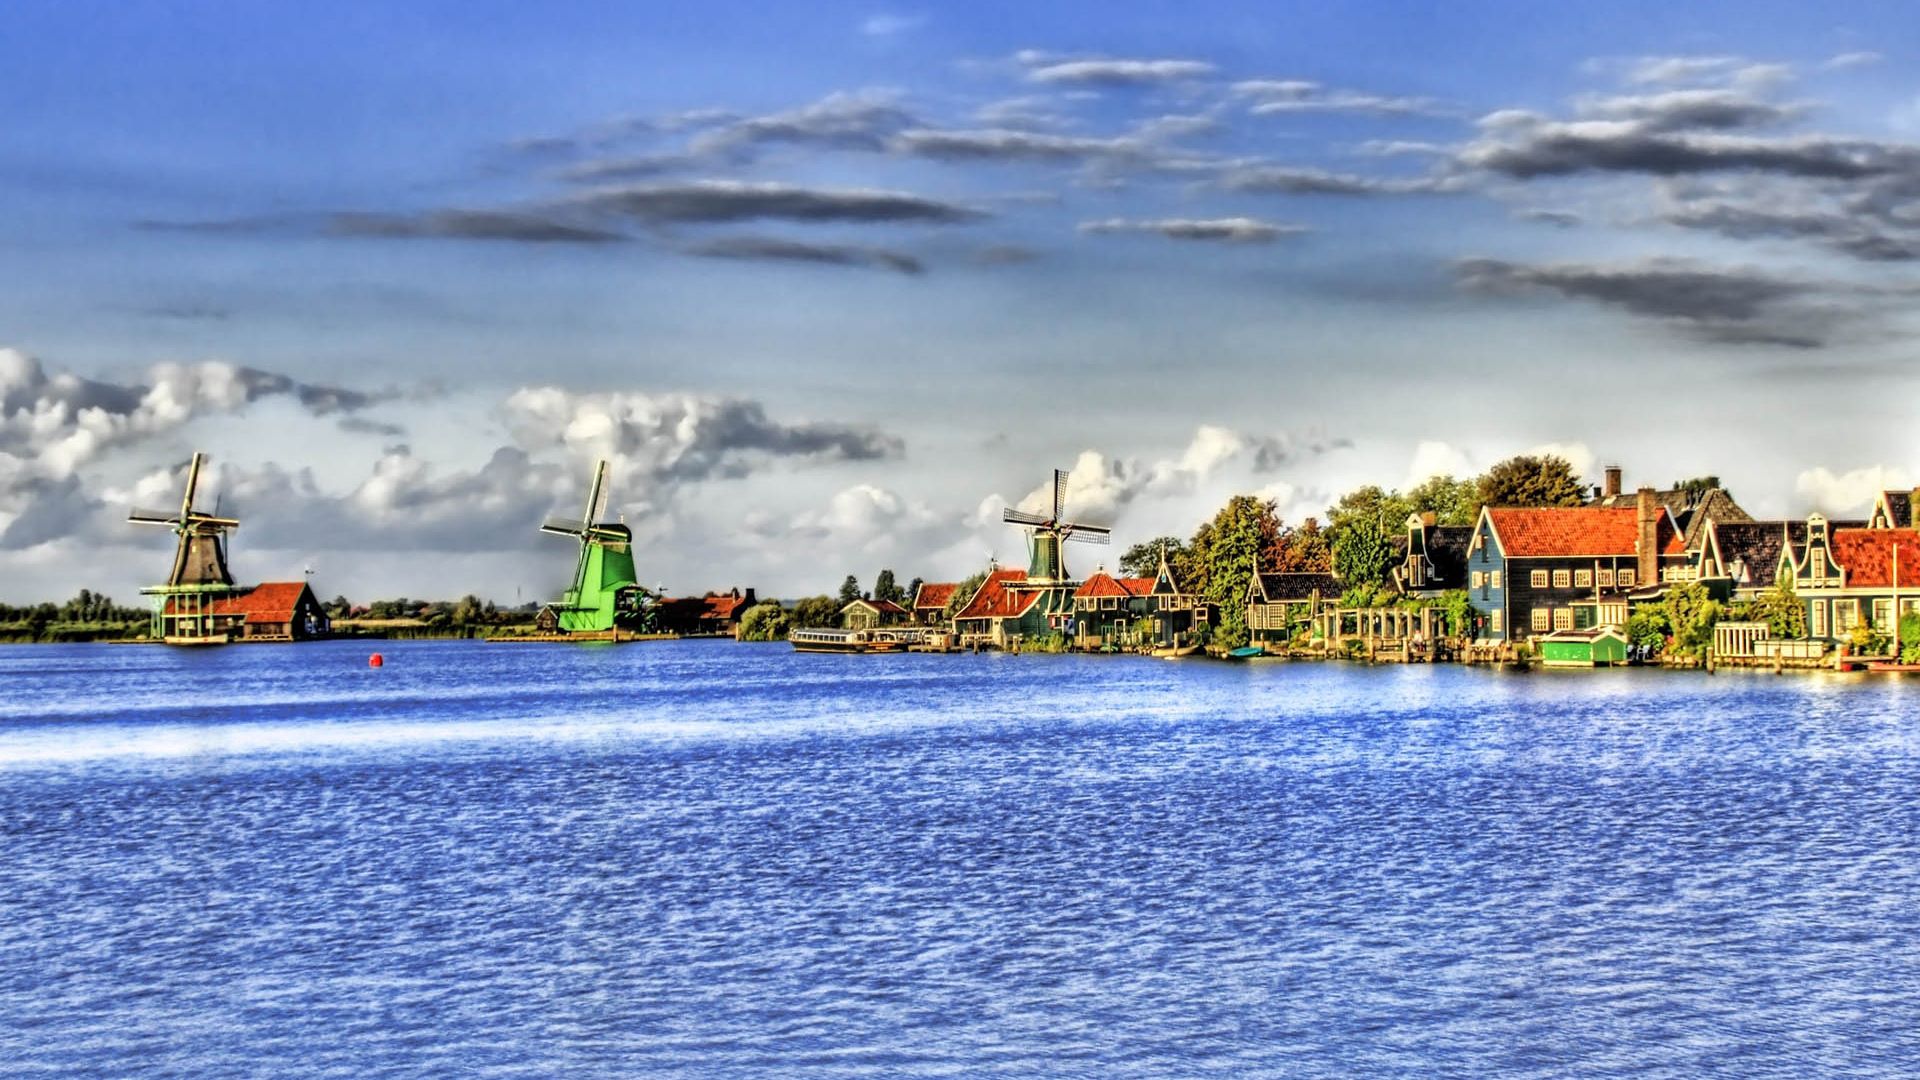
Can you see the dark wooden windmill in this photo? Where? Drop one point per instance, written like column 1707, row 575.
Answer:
column 185, row 608
column 1045, row 534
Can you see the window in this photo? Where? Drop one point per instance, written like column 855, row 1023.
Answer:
column 1883, row 613
column 1583, row 579
column 1562, row 578
column 1626, row 579
column 1493, row 578
column 1479, row 579
column 1820, row 567
column 1563, row 618
column 1606, row 578
column 1846, row 615
column 1539, row 579
column 1499, row 622
column 1817, row 625
column 1540, row 618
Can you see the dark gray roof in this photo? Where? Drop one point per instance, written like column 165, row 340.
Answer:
column 1751, row 549
column 1298, row 586
column 1900, row 505
column 1447, row 550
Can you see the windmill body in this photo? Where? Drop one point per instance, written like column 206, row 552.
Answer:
column 200, row 604
column 606, row 591
column 1011, row 606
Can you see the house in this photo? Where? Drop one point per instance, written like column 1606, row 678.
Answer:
column 1009, row 608
column 864, row 614
column 1740, row 560
column 1894, row 510
column 1433, row 558
column 711, row 615
column 1535, row 570
column 1692, row 508
column 929, row 604
column 1595, row 646
column 271, row 611
column 1125, row 612
column 1849, row 577
column 1280, row 605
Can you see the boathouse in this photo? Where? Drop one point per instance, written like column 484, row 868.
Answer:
column 1281, row 605
column 864, row 614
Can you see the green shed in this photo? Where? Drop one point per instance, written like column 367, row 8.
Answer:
column 1599, row 646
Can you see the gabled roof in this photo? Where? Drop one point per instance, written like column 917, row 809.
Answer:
column 1867, row 557
column 934, row 595
column 1716, row 506
column 267, row 602
column 884, row 607
column 724, row 605
column 1103, row 584
column 997, row 600
column 1750, row 550
column 1274, row 588
column 1447, row 550
column 1547, row 531
column 1899, row 508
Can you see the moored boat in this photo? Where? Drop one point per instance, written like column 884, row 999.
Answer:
column 847, row 641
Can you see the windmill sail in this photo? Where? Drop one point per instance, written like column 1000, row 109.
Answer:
column 1046, row 534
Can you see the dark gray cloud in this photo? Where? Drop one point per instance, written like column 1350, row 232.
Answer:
column 1281, row 96
column 775, row 249
column 1565, row 219
column 1010, row 145
column 1283, row 180
column 637, row 167
column 1691, row 110
column 1731, row 305
column 848, row 121
column 1005, row 255
column 683, row 437
column 514, row 226
column 1559, row 149
column 719, row 201
column 1107, row 71
column 1237, row 230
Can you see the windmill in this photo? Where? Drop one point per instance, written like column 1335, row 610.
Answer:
column 1045, row 534
column 199, row 573
column 605, row 586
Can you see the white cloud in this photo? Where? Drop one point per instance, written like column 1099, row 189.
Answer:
column 888, row 24
column 1576, row 454
column 1850, row 491
column 1435, row 458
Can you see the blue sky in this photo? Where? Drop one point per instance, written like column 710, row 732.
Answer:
column 832, row 285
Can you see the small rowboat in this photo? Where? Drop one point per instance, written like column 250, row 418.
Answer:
column 1246, row 652
column 1175, row 652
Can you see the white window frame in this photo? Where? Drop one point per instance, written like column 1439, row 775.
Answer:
column 1625, row 578
column 1606, row 577
column 1542, row 620
column 1583, row 579
column 1563, row 618
column 1563, row 579
column 1479, row 579
column 1499, row 622
column 1538, row 579
column 1493, row 578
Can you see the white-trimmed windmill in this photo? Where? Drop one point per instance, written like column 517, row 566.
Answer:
column 199, row 575
column 1046, row 533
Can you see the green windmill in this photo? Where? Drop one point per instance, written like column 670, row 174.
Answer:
column 606, row 592
column 1045, row 534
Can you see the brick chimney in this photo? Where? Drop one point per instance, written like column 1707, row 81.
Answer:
column 1647, row 542
column 1612, row 488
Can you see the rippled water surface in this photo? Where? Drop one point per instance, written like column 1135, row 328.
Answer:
column 711, row 859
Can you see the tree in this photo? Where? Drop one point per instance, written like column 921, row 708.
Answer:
column 1781, row 610
column 1698, row 487
column 1143, row 559
column 1229, row 548
column 962, row 593
column 849, row 590
column 1362, row 554
column 1305, row 550
column 913, row 590
column 886, row 588
column 1530, row 480
column 1451, row 502
column 467, row 611
column 1388, row 509
column 1691, row 613
column 816, row 611
column 764, row 622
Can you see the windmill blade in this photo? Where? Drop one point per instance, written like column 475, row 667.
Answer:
column 564, row 526
column 193, row 483
column 596, row 495
column 1059, row 493
column 197, row 518
column 1087, row 534
column 152, row 517
column 1023, row 517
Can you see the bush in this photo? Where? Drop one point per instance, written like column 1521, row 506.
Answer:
column 764, row 622
column 1910, row 639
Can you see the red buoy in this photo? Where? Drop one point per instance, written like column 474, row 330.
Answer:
column 375, row 660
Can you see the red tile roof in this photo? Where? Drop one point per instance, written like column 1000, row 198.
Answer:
column 723, row 606
column 1867, row 557
column 1576, row 530
column 268, row 602
column 1104, row 584
column 996, row 601
column 935, row 595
